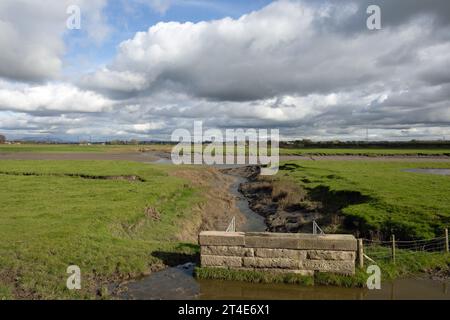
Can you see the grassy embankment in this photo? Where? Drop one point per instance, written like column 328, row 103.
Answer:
column 59, row 213
column 378, row 197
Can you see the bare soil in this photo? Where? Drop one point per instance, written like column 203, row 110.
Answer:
column 219, row 205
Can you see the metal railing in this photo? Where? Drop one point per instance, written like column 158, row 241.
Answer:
column 232, row 226
column 316, row 228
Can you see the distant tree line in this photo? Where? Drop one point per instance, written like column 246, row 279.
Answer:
column 413, row 144
column 2, row 139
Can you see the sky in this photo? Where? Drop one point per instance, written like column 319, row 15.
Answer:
column 140, row 69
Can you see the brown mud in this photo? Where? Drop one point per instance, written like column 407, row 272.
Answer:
column 218, row 206
column 285, row 206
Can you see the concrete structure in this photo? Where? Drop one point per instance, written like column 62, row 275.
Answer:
column 279, row 252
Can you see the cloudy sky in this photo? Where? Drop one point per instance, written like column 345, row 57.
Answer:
column 142, row 68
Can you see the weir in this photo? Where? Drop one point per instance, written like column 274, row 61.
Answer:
column 297, row 253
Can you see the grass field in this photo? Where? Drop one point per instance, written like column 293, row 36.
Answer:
column 109, row 218
column 72, row 148
column 378, row 196
column 365, row 152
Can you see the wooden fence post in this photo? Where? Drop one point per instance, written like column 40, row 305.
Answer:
column 393, row 248
column 446, row 240
column 360, row 253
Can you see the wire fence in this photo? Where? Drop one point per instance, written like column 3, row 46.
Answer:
column 392, row 250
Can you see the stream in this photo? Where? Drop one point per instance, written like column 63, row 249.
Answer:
column 178, row 283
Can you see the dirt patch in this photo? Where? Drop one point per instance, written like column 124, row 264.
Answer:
column 218, row 207
column 152, row 213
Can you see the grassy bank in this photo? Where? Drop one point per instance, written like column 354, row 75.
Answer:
column 251, row 276
column 377, row 197
column 112, row 219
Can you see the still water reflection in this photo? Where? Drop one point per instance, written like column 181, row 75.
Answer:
column 397, row 290
column 179, row 283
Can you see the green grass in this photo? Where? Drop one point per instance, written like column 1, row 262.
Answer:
column 252, row 276
column 378, row 196
column 365, row 152
column 408, row 262
column 72, row 148
column 49, row 220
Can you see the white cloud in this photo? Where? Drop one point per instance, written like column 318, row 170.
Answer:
column 52, row 97
column 31, row 35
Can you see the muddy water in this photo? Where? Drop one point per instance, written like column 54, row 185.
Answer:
column 178, row 283
column 254, row 222
column 397, row 290
column 442, row 172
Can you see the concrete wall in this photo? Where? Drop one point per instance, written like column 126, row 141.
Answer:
column 279, row 252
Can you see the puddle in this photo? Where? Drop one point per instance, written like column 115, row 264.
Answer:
column 442, row 172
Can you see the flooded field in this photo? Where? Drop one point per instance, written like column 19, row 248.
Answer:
column 442, row 172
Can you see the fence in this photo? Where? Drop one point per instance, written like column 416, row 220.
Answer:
column 395, row 250
column 232, row 226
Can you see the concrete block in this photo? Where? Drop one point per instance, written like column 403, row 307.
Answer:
column 221, row 261
column 227, row 251
column 300, row 241
column 342, row 267
column 328, row 244
column 331, row 255
column 280, row 253
column 281, row 263
column 271, row 240
column 220, row 238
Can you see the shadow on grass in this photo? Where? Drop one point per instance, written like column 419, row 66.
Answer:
column 182, row 254
column 333, row 200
